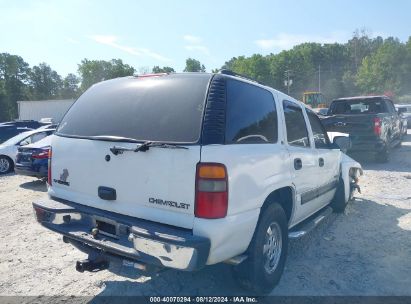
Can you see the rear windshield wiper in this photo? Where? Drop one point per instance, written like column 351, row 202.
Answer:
column 145, row 147
column 115, row 138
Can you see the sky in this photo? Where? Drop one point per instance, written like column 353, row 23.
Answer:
column 166, row 33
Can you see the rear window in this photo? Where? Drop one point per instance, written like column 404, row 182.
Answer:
column 358, row 106
column 167, row 108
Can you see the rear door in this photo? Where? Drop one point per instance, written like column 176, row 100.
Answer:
column 156, row 185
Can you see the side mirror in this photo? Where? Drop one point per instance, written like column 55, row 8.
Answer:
column 343, row 143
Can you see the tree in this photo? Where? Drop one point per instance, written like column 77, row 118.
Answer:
column 13, row 84
column 93, row 71
column 70, row 86
column 44, row 82
column 166, row 69
column 385, row 70
column 193, row 65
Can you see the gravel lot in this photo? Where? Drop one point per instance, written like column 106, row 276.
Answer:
column 366, row 251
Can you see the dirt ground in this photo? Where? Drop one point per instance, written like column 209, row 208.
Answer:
column 366, row 251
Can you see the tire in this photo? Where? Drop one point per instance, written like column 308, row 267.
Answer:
column 383, row 156
column 263, row 268
column 338, row 203
column 6, row 165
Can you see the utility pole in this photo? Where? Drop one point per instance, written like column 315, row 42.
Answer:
column 288, row 82
column 319, row 78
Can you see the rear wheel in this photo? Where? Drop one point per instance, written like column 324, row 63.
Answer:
column 383, row 156
column 339, row 203
column 267, row 252
column 6, row 165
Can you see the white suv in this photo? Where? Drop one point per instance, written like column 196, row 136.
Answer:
column 192, row 169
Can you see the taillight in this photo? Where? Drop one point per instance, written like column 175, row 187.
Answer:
column 377, row 126
column 41, row 214
column 49, row 181
column 41, row 155
column 211, row 191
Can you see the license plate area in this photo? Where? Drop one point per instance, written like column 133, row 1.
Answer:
column 106, row 227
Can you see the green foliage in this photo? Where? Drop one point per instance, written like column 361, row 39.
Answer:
column 166, row 69
column 385, row 69
column 193, row 65
column 362, row 65
column 93, row 71
column 70, row 87
column 44, row 83
column 14, row 74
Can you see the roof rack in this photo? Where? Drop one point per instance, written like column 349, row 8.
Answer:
column 231, row 73
column 150, row 75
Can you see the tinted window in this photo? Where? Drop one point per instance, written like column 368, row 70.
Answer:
column 320, row 135
column 297, row 134
column 251, row 114
column 390, row 106
column 358, row 106
column 6, row 133
column 167, row 108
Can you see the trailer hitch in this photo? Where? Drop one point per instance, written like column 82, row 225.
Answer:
column 91, row 265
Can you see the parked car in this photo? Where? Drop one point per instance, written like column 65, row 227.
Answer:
column 31, row 124
column 372, row 122
column 48, row 127
column 32, row 159
column 8, row 149
column 404, row 124
column 7, row 132
column 405, row 111
column 193, row 169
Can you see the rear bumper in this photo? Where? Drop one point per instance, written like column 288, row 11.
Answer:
column 377, row 145
column 134, row 240
column 39, row 172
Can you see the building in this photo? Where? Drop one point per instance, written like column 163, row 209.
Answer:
column 38, row 109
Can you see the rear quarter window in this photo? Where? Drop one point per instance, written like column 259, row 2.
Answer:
column 251, row 116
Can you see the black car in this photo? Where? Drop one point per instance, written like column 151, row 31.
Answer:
column 372, row 122
column 7, row 132
column 31, row 124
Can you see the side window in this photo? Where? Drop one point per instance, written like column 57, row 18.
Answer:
column 390, row 106
column 25, row 141
column 36, row 137
column 297, row 134
column 251, row 114
column 320, row 135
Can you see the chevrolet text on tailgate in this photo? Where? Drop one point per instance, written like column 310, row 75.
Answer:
column 192, row 169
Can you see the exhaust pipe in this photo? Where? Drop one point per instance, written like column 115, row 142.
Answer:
column 91, row 265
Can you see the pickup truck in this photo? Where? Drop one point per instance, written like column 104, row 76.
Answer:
column 192, row 169
column 372, row 122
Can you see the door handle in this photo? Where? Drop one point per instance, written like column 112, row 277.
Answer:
column 321, row 162
column 298, row 164
column 106, row 193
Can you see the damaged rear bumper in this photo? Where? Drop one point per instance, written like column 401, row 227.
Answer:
column 115, row 237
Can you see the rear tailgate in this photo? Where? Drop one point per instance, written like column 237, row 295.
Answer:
column 358, row 125
column 157, row 185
